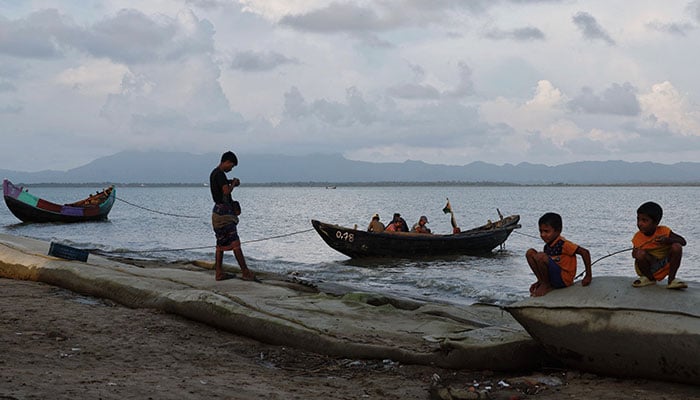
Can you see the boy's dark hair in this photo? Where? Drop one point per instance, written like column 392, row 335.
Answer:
column 551, row 219
column 651, row 209
column 229, row 156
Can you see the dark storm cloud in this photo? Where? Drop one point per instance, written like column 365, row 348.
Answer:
column 520, row 34
column 590, row 28
column 617, row 100
column 129, row 37
column 260, row 61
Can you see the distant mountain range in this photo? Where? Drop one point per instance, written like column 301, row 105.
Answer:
column 184, row 168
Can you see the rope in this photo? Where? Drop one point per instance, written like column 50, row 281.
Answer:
column 611, row 254
column 156, row 211
column 525, row 234
column 601, row 258
column 195, row 248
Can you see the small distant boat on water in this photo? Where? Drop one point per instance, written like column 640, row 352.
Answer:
column 614, row 329
column 356, row 243
column 30, row 208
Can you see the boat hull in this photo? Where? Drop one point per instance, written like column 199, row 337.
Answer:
column 360, row 244
column 611, row 328
column 29, row 208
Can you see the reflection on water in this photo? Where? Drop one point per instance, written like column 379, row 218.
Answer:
column 602, row 219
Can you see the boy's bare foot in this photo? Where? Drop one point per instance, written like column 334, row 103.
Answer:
column 534, row 287
column 541, row 290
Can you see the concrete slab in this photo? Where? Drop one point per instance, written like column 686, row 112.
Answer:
column 338, row 322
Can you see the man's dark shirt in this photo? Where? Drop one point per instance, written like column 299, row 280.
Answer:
column 217, row 179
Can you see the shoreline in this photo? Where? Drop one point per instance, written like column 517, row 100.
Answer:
column 62, row 345
column 324, row 340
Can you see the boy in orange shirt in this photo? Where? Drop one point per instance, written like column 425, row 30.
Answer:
column 657, row 250
column 555, row 267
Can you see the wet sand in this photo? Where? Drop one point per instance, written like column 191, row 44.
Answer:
column 61, row 345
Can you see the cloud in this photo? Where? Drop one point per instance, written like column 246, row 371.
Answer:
column 424, row 91
column 94, row 77
column 694, row 10
column 337, row 17
column 355, row 111
column 518, row 34
column 663, row 107
column 543, row 113
column 590, row 28
column 132, row 37
column 617, row 99
column 673, row 28
column 128, row 37
column 7, row 87
column 413, row 91
column 465, row 86
column 253, row 61
column 41, row 35
column 11, row 109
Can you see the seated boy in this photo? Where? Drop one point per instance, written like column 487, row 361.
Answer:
column 657, row 250
column 555, row 267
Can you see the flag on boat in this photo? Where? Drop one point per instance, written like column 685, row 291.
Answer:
column 448, row 208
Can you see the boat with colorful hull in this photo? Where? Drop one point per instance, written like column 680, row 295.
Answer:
column 30, row 208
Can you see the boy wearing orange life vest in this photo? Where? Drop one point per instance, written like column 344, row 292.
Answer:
column 555, row 266
column 657, row 250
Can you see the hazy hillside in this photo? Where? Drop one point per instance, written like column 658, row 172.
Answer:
column 186, row 168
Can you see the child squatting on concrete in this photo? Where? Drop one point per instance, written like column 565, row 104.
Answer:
column 555, row 267
column 657, row 250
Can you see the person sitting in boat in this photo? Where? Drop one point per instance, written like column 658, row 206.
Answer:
column 657, row 250
column 375, row 225
column 555, row 267
column 397, row 224
column 419, row 227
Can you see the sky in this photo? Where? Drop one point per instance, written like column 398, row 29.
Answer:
column 441, row 81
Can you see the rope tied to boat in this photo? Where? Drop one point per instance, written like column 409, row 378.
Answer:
column 126, row 251
column 155, row 211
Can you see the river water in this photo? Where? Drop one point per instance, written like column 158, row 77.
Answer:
column 602, row 219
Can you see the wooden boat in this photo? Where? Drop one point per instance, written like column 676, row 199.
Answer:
column 612, row 328
column 30, row 208
column 356, row 243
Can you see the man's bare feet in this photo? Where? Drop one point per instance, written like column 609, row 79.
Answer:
column 224, row 276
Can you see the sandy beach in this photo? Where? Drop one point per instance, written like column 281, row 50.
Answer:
column 59, row 344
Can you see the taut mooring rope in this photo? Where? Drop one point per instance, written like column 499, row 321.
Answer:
column 155, row 211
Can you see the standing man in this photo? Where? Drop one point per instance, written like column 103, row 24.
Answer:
column 224, row 217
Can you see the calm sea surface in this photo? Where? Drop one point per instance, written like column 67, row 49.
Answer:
column 602, row 219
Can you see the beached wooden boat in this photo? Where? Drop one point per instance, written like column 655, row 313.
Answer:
column 614, row 329
column 356, row 243
column 30, row 208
